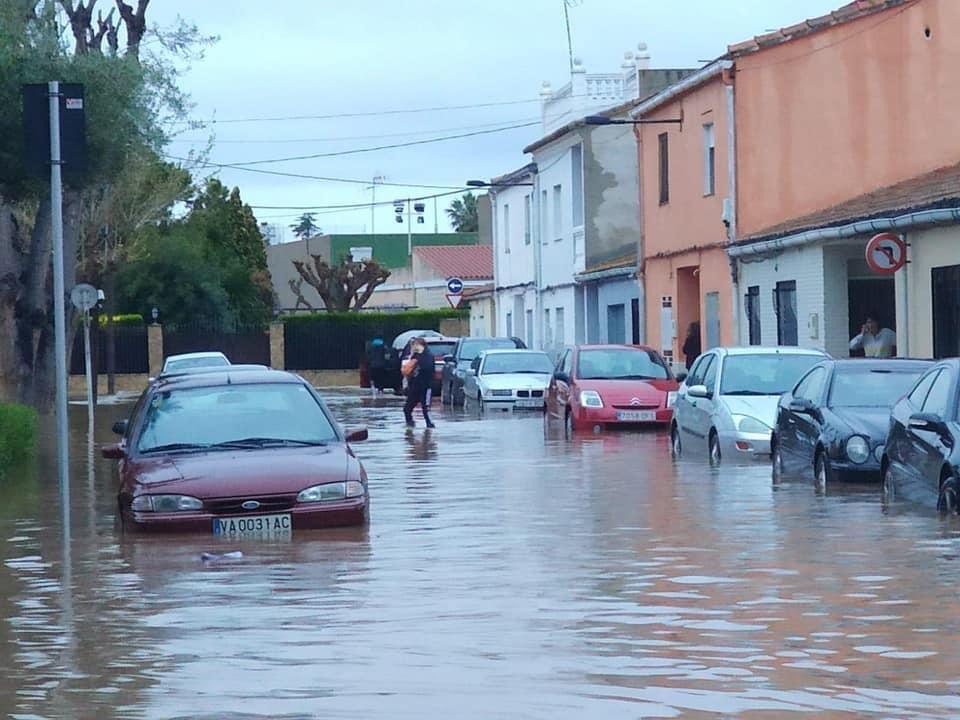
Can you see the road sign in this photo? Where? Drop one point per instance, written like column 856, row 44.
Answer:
column 454, row 285
column 454, row 300
column 886, row 253
column 84, row 297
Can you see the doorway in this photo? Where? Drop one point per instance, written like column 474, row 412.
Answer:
column 873, row 296
column 945, row 285
column 688, row 300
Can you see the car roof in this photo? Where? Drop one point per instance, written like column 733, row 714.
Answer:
column 508, row 351
column 441, row 339
column 227, row 376
column 849, row 364
column 212, row 369
column 769, row 350
column 196, row 356
column 614, row 346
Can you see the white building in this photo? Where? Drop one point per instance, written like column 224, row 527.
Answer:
column 566, row 228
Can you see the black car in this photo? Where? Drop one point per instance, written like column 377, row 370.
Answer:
column 455, row 364
column 835, row 420
column 921, row 460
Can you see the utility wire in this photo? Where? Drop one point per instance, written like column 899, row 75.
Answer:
column 355, row 206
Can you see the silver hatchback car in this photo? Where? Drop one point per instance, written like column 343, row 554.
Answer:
column 727, row 406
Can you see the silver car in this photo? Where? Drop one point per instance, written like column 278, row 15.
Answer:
column 508, row 379
column 727, row 406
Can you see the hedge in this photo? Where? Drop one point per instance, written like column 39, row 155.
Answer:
column 336, row 340
column 18, row 434
column 128, row 319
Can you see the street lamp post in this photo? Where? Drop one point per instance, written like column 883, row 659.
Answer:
column 604, row 120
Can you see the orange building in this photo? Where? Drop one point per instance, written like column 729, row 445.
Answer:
column 687, row 210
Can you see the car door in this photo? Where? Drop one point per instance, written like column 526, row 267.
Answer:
column 558, row 391
column 705, row 409
column 899, row 443
column 805, row 428
column 684, row 405
column 449, row 370
column 470, row 380
column 927, row 447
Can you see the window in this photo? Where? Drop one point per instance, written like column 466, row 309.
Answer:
column 919, row 393
column 811, row 387
column 764, row 374
column 527, row 200
column 785, row 305
column 544, row 218
column 870, row 388
column 568, row 362
column 709, row 161
column 753, row 314
column 558, row 213
column 529, row 318
column 576, row 171
column 635, row 318
column 616, row 324
column 562, row 361
column 710, row 374
column 558, row 321
column 938, row 401
column 506, row 228
column 695, row 375
column 664, row 161
column 509, row 324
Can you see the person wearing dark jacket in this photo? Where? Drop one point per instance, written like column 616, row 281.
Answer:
column 691, row 346
column 419, row 381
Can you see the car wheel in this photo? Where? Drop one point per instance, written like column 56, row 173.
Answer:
column 480, row 402
column 949, row 501
column 822, row 472
column 777, row 461
column 714, row 449
column 676, row 446
column 887, row 491
column 568, row 423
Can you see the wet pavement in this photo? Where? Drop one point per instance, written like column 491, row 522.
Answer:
column 506, row 572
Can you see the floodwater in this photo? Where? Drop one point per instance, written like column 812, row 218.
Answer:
column 505, row 573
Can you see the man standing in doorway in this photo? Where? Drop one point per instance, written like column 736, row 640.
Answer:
column 876, row 342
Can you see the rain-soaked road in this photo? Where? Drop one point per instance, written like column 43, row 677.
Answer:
column 504, row 574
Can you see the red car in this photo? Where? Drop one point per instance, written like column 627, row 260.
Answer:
column 252, row 453
column 598, row 385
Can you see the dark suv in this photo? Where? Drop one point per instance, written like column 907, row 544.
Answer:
column 456, row 363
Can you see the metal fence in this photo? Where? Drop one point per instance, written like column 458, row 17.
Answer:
column 241, row 343
column 130, row 349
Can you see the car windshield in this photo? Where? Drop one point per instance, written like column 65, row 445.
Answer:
column 871, row 388
column 764, row 374
column 517, row 362
column 175, row 366
column 621, row 364
column 439, row 349
column 197, row 418
column 471, row 348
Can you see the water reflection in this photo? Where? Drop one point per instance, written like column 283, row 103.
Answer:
column 507, row 571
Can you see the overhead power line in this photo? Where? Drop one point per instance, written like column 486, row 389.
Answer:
column 356, row 206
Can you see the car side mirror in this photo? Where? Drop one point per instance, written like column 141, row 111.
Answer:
column 120, row 427
column 927, row 422
column 561, row 377
column 357, row 435
column 471, row 371
column 804, row 406
column 114, row 451
column 448, row 358
column 698, row 391
column 151, row 380
column 681, row 376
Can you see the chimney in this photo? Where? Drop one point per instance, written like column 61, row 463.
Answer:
column 578, row 85
column 642, row 58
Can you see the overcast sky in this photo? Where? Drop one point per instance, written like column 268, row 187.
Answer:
column 330, row 57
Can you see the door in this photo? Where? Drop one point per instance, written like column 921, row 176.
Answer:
column 635, row 320
column 470, row 381
column 693, row 412
column 785, row 306
column 945, row 282
column 530, row 338
column 704, row 408
column 712, row 311
column 616, row 324
column 802, row 429
column 899, row 445
column 683, row 407
column 927, row 447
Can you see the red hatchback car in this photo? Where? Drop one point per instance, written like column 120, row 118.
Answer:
column 252, row 453
column 598, row 385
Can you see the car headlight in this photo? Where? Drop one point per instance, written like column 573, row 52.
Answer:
column 329, row 492
column 591, row 399
column 747, row 424
column 858, row 449
column 671, row 398
column 501, row 393
column 878, row 453
column 165, row 503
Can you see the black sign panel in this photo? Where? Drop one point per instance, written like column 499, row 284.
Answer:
column 73, row 132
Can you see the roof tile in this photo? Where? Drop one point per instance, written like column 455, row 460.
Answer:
column 468, row 262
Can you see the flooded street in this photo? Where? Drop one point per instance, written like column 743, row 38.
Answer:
column 505, row 573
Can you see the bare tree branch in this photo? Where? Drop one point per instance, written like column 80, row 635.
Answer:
column 136, row 24
column 81, row 17
column 347, row 285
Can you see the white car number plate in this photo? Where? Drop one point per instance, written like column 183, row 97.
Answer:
column 530, row 403
column 636, row 416
column 279, row 525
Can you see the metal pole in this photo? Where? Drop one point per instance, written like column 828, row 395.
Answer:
column 373, row 210
column 59, row 296
column 409, row 231
column 436, row 218
column 88, row 364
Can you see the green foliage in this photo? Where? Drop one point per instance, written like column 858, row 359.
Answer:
column 305, row 226
column 376, row 320
column 463, row 213
column 128, row 319
column 18, row 434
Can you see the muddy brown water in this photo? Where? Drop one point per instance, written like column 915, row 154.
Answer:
column 505, row 573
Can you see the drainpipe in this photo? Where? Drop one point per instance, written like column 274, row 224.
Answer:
column 537, row 258
column 902, row 290
column 732, row 199
column 641, row 260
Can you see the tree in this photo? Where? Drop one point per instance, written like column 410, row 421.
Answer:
column 347, row 285
column 129, row 95
column 305, row 227
column 463, row 213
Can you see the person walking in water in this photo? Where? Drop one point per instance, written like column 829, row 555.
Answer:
column 419, row 371
column 377, row 363
column 691, row 346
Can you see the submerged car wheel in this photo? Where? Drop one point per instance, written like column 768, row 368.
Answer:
column 715, row 455
column 949, row 501
column 777, row 460
column 676, row 447
column 568, row 423
column 887, row 493
column 822, row 473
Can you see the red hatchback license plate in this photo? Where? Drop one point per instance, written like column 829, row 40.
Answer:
column 254, row 526
column 636, row 415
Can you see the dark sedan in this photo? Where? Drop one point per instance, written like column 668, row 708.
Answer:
column 237, row 454
column 922, row 456
column 835, row 420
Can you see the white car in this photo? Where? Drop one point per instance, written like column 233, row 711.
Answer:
column 193, row 361
column 727, row 406
column 508, row 379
